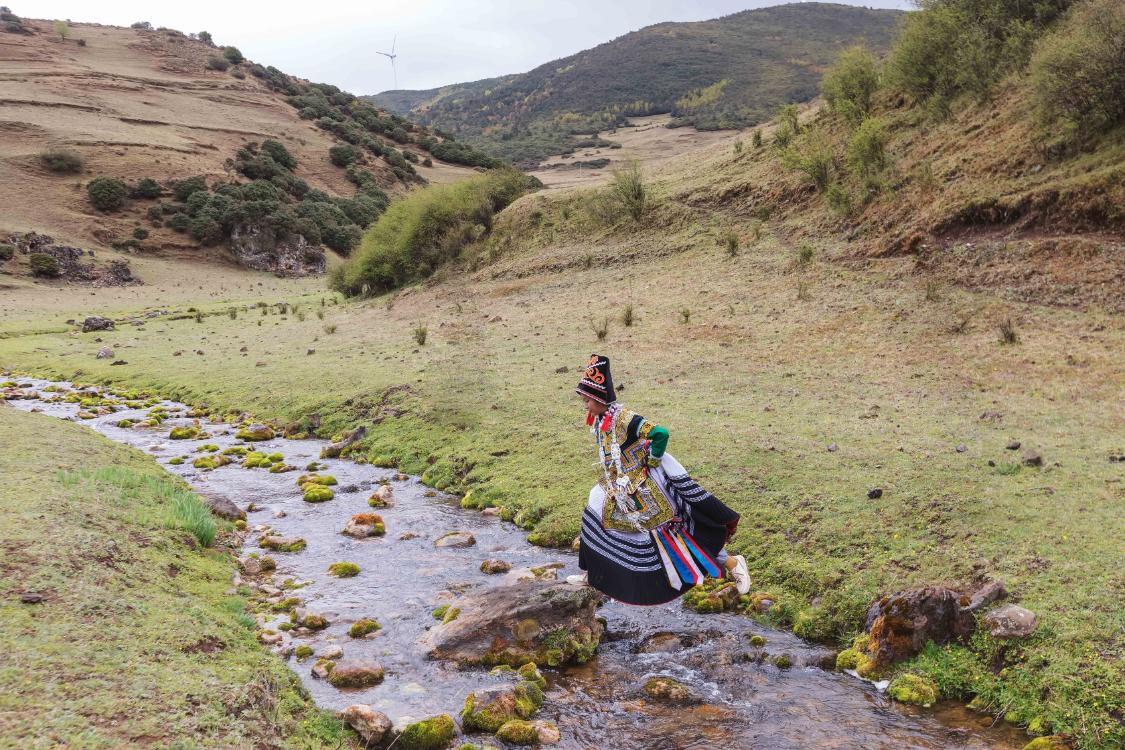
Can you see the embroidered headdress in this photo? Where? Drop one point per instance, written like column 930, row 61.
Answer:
column 596, row 382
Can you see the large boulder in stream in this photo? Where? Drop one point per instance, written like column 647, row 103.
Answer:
column 544, row 622
column 370, row 724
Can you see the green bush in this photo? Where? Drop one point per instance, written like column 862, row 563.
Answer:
column 107, row 193
column 276, row 150
column 424, row 230
column 850, row 83
column 205, row 37
column 628, row 188
column 217, row 63
column 7, row 252
column 867, row 147
column 814, row 157
column 233, row 55
column 343, row 155
column 1079, row 70
column 140, row 233
column 146, row 188
column 182, row 189
column 180, row 222
column 61, row 161
column 45, row 266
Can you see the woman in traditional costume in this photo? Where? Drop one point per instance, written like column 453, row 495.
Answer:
column 649, row 531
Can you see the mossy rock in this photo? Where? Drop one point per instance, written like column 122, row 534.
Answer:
column 530, row 672
column 236, row 450
column 434, row 733
column 451, row 614
column 312, row 621
column 176, row 461
column 712, row 596
column 208, row 448
column 847, row 659
column 1053, row 742
column 1038, row 725
column 284, row 544
column 274, row 458
column 315, row 493
column 255, row 432
column 518, row 732
column 184, row 433
column 363, row 627
column 343, row 569
column 303, row 652
column 758, row 641
column 205, row 462
column 359, row 674
column 280, row 468
column 915, row 689
column 255, row 460
column 324, row 480
column 286, row 605
column 125, row 423
column 782, row 661
column 439, row 611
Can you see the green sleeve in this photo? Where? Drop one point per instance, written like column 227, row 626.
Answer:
column 658, row 441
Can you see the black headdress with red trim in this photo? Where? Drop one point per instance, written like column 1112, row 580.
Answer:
column 597, row 382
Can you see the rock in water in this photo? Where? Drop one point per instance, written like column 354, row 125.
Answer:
column 96, row 323
column 455, row 539
column 256, row 245
column 355, row 674
column 371, row 725
column 489, row 709
column 333, row 450
column 434, row 733
column 900, row 624
column 224, row 508
column 544, row 622
column 668, row 690
column 1010, row 621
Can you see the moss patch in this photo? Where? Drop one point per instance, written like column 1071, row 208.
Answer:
column 910, row 688
column 429, row 734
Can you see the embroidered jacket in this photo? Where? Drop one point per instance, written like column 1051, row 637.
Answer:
column 642, row 445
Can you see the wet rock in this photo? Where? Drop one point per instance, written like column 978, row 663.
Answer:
column 527, row 733
column 322, row 668
column 334, row 450
column 371, row 725
column 382, row 497
column 1032, row 458
column 364, row 525
column 455, row 539
column 255, row 432
column 96, row 323
column 224, row 508
column 283, row 543
column 311, row 620
column 712, row 596
column 332, row 653
column 493, row 566
column 407, row 536
column 668, row 690
column 489, row 709
column 900, row 624
column 491, row 512
column 356, row 674
column 662, row 643
column 433, row 733
column 104, row 353
column 1010, row 621
column 269, row 637
column 547, row 623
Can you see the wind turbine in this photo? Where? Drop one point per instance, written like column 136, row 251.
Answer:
column 391, row 56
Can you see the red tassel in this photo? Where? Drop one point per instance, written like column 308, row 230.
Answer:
column 606, row 422
column 589, row 419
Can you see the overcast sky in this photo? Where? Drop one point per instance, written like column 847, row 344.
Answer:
column 438, row 41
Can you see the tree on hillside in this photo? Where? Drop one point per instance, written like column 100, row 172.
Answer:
column 62, row 29
column 851, row 82
column 205, row 37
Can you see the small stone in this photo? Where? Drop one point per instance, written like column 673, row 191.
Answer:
column 874, row 493
column 104, row 353
column 310, row 351
column 668, row 690
column 1010, row 621
column 370, row 724
column 1013, row 445
column 832, row 447
column 31, row 597
column 406, row 536
column 321, row 669
column 332, row 652
column 269, row 638
column 493, row 566
column 1032, row 458
column 455, row 539
column 962, row 448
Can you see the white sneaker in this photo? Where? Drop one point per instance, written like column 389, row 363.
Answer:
column 741, row 575
column 578, row 580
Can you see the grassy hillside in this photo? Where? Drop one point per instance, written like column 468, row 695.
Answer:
column 151, row 107
column 728, row 72
column 136, row 642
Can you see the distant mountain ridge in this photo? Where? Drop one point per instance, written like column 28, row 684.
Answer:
column 727, row 72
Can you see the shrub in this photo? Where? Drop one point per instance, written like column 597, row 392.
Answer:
column 180, row 222
column 814, row 157
column 217, row 63
column 7, row 252
column 238, row 74
column 730, row 242
column 804, row 255
column 427, row 228
column 756, row 138
column 850, row 83
column 140, row 233
column 867, row 147
column 276, row 150
column 628, row 188
column 839, row 199
column 233, row 55
column 44, row 266
column 142, row 25
column 600, row 328
column 1007, row 331
column 62, row 29
column 628, row 317
column 107, row 193
column 420, row 335
column 61, row 160
column 205, row 37
column 1079, row 70
column 182, row 189
column 343, row 155
column 206, row 230
column 146, row 188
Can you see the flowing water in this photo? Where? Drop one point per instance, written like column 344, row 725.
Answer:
column 741, row 704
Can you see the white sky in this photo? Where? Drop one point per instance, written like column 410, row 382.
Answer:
column 438, row 41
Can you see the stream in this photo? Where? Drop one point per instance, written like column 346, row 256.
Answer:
column 743, row 704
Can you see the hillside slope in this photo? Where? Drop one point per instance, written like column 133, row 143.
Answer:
column 727, row 72
column 143, row 103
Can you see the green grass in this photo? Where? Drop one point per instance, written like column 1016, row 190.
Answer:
column 138, row 642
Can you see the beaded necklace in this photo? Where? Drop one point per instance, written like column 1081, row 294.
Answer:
column 619, row 485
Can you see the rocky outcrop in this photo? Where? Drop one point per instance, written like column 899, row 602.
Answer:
column 96, row 323
column 900, row 624
column 72, row 261
column 544, row 622
column 257, row 245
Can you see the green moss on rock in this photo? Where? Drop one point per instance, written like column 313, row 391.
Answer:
column 176, row 461
column 1053, row 742
column 343, row 569
column 315, row 493
column 912, row 688
column 518, row 732
column 363, row 627
column 530, row 672
column 439, row 611
column 758, row 641
column 429, row 734
column 184, row 433
column 303, row 652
